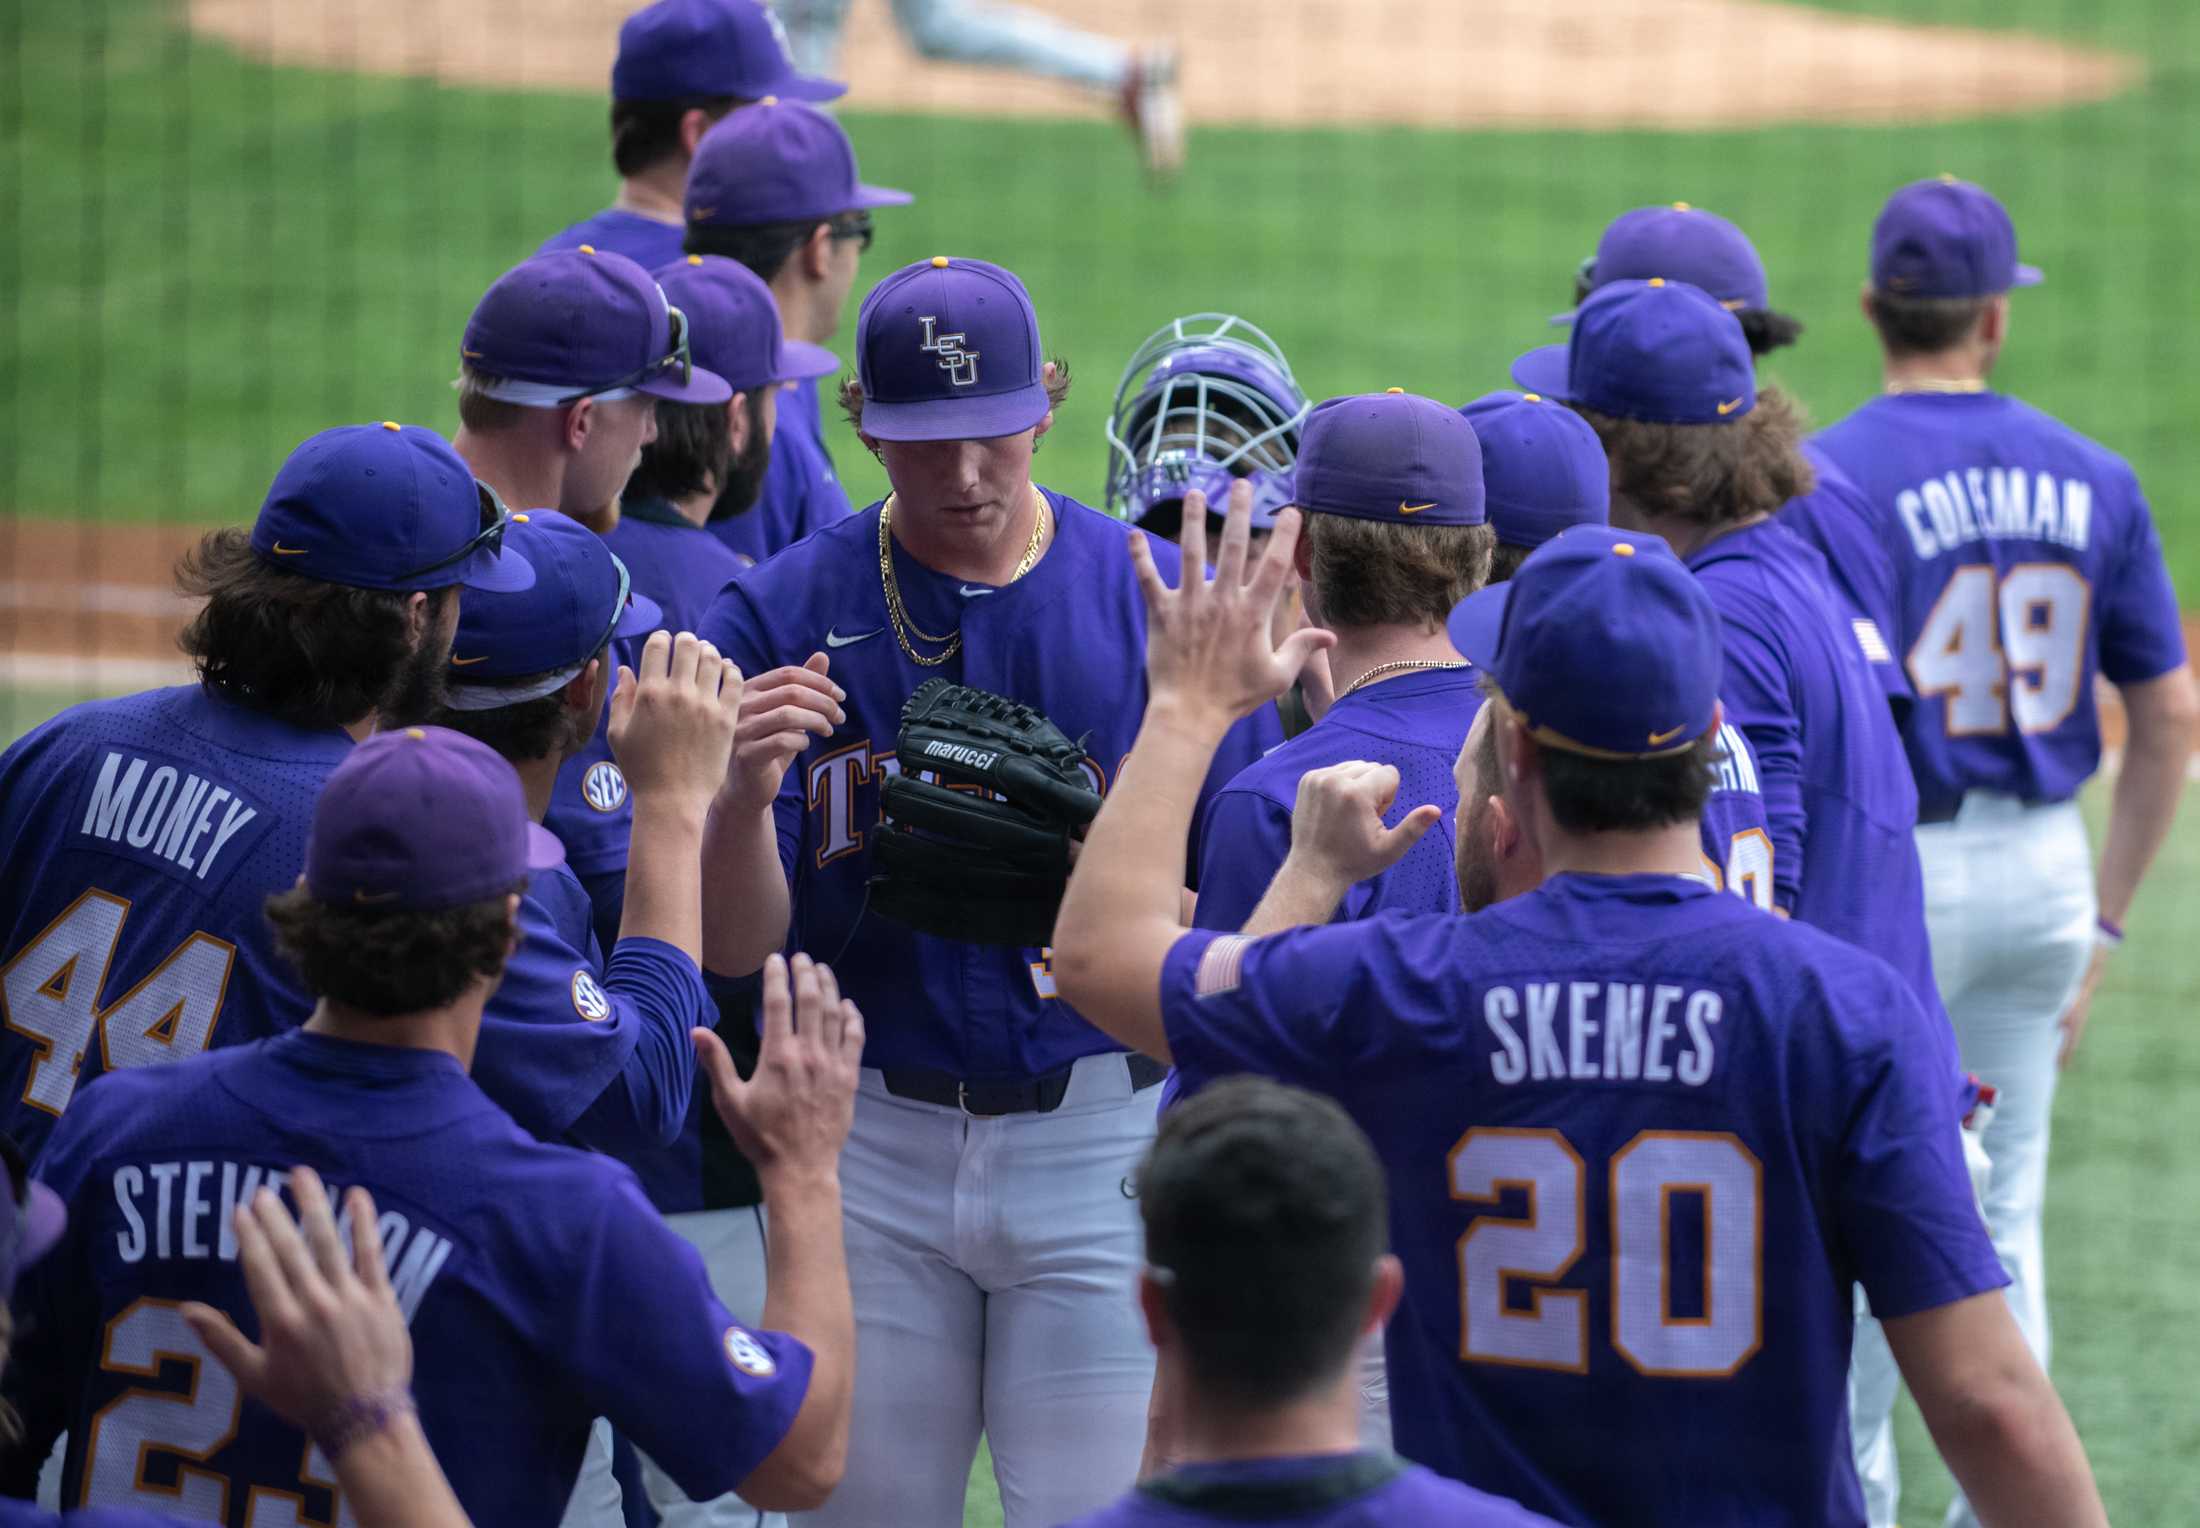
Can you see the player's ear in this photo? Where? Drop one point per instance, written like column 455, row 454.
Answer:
column 1993, row 322
column 737, row 422
column 1504, row 831
column 694, row 122
column 417, row 616
column 1864, row 305
column 816, row 253
column 511, row 932
column 1153, row 1304
column 1302, row 560
column 581, row 692
column 575, row 423
column 1382, row 1298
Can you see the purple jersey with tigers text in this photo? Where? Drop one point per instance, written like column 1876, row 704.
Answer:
column 2026, row 563
column 141, row 836
column 1641, row 1140
column 801, row 492
column 1838, row 795
column 646, row 241
column 1069, row 639
column 1310, row 1491
column 542, row 1290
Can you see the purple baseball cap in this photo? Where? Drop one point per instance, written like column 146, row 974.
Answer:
column 1660, row 351
column 948, row 349
column 1681, row 243
column 583, row 323
column 733, row 324
column 777, row 162
column 1391, row 456
column 1946, row 238
column 31, row 1222
column 582, row 597
column 385, row 506
column 1543, row 468
column 423, row 818
column 680, row 48
column 1604, row 643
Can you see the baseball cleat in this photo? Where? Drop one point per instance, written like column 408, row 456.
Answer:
column 1156, row 110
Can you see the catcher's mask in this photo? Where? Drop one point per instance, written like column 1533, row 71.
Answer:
column 1206, row 400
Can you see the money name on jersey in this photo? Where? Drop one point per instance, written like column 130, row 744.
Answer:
column 164, row 813
column 1998, row 504
column 175, row 1211
column 1611, row 1031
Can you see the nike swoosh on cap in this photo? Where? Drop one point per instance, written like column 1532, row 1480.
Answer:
column 1729, row 407
column 1660, row 739
column 289, row 551
column 1414, row 509
column 835, row 639
column 458, row 662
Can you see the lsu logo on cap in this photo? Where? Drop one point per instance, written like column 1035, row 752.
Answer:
column 747, row 1354
column 960, row 365
column 603, row 787
column 589, row 1000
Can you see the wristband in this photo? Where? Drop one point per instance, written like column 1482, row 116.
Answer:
column 2106, row 934
column 344, row 1424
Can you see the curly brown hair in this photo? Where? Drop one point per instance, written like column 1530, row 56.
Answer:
column 311, row 653
column 1374, row 573
column 388, row 961
column 1713, row 474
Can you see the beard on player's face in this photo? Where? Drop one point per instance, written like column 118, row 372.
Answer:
column 418, row 688
column 742, row 478
column 1476, row 858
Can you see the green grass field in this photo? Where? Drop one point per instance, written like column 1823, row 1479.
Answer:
column 209, row 259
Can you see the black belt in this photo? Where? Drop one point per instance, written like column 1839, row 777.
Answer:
column 1019, row 1095
column 1934, row 813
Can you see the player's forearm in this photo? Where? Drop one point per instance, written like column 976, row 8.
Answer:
column 664, row 876
column 2018, row 1459
column 1120, row 914
column 807, row 1297
column 1299, row 897
column 745, row 905
column 390, row 1479
column 2148, row 787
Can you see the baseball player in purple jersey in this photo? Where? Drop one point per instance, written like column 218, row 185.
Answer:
column 1680, row 242
column 708, row 461
column 1673, row 1130
column 1543, row 470
column 332, row 1334
column 2027, row 567
column 774, row 186
column 1701, row 458
column 518, row 1265
column 1264, row 1216
column 160, row 821
column 991, row 1243
column 560, row 370
column 682, row 65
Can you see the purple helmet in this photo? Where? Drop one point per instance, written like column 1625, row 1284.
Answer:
column 1206, row 400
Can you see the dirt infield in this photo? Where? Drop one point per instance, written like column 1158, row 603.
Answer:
column 1434, row 63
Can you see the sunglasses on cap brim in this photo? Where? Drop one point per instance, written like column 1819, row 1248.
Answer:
column 494, row 518
column 679, row 356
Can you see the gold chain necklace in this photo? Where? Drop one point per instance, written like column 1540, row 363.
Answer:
column 1392, row 668
column 898, row 614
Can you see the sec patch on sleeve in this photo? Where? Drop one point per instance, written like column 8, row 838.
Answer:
column 748, row 1355
column 589, row 999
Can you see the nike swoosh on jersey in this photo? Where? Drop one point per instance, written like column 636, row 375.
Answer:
column 835, row 639
column 1414, row 509
column 289, row 551
column 971, row 591
column 1660, row 739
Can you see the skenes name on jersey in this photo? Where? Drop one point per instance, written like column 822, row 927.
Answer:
column 1602, row 1031
column 161, row 812
column 1995, row 504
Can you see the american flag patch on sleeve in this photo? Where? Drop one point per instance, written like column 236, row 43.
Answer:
column 1219, row 964
column 1868, row 638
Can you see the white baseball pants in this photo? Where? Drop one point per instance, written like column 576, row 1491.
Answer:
column 2010, row 906
column 964, row 32
column 995, row 1266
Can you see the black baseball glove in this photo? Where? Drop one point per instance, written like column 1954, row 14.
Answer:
column 985, row 866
